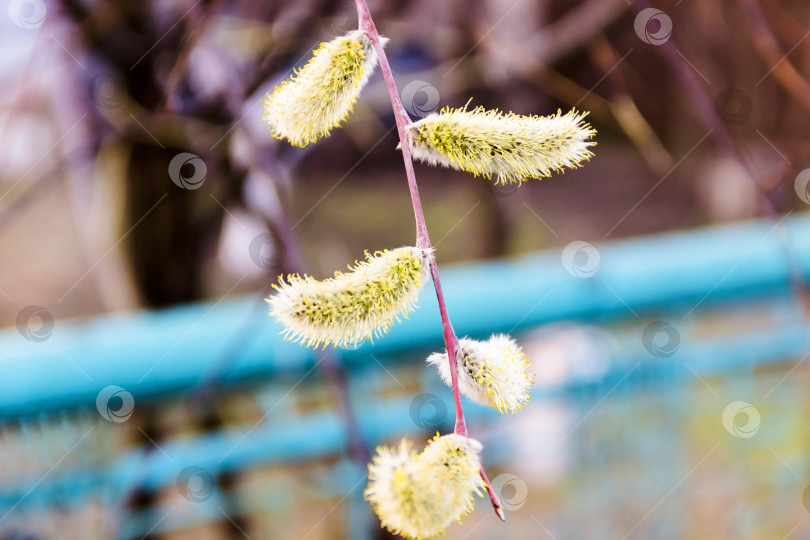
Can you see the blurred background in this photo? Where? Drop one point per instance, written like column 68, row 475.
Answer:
column 660, row 289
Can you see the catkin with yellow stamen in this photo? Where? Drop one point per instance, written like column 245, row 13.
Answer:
column 510, row 146
column 419, row 495
column 351, row 307
column 492, row 372
column 320, row 95
column 454, row 459
column 400, row 493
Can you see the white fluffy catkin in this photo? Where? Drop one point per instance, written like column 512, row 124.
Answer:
column 351, row 307
column 510, row 146
column 321, row 95
column 419, row 495
column 492, row 372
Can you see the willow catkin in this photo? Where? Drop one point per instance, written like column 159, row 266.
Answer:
column 419, row 495
column 510, row 146
column 492, row 372
column 321, row 95
column 351, row 307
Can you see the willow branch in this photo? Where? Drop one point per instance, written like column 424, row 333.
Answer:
column 422, row 238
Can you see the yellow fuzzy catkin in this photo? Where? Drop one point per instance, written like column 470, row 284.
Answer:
column 510, row 146
column 419, row 495
column 321, row 95
column 454, row 460
column 492, row 372
column 351, row 307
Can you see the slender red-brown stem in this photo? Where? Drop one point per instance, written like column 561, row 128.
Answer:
column 496, row 504
column 422, row 238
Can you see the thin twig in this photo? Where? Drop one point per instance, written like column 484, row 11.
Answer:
column 197, row 29
column 711, row 118
column 496, row 504
column 767, row 46
column 422, row 238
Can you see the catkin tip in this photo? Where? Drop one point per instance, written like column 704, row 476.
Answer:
column 508, row 146
column 320, row 95
column 419, row 495
column 351, row 307
column 493, row 372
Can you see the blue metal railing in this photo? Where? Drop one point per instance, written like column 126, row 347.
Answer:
column 155, row 355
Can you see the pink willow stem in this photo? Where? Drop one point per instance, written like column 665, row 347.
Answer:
column 422, row 238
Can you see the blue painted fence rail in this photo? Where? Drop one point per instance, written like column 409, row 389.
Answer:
column 156, row 353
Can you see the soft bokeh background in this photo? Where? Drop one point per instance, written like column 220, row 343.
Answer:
column 702, row 116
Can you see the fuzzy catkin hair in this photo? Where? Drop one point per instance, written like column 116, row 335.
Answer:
column 321, row 95
column 419, row 495
column 455, row 458
column 351, row 307
column 510, row 146
column 492, row 372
